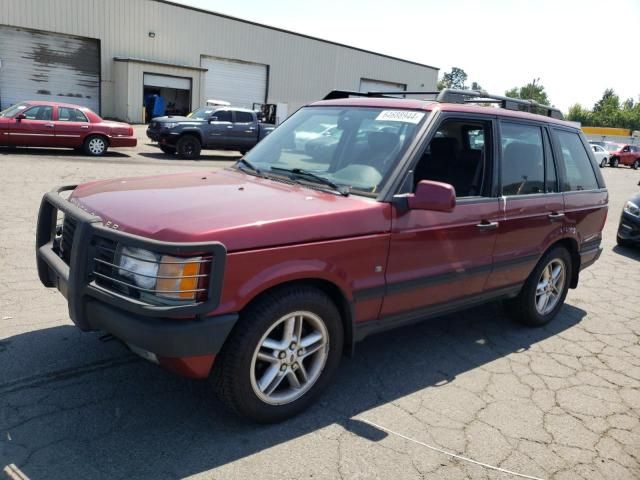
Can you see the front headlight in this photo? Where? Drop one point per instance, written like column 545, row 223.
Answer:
column 164, row 275
column 170, row 125
column 632, row 209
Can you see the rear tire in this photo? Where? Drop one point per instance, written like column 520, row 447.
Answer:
column 603, row 163
column 188, row 147
column 622, row 242
column 168, row 150
column 280, row 356
column 530, row 307
column 636, row 165
column 95, row 145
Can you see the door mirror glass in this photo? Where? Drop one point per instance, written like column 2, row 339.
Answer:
column 20, row 116
column 434, row 196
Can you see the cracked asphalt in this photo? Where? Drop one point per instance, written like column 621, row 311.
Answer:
column 561, row 402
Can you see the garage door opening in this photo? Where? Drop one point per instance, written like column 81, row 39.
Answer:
column 166, row 95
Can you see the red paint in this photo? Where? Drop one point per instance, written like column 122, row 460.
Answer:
column 56, row 133
column 192, row 367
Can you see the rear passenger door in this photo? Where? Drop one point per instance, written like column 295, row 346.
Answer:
column 71, row 127
column 532, row 206
column 245, row 133
column 585, row 197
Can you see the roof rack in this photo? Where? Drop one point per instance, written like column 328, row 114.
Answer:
column 452, row 95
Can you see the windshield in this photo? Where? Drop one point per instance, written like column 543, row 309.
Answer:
column 202, row 113
column 612, row 147
column 351, row 147
column 13, row 110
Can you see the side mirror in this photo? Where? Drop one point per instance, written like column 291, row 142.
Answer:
column 435, row 196
column 20, row 116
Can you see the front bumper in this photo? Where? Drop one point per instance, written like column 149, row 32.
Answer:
column 629, row 228
column 123, row 141
column 167, row 331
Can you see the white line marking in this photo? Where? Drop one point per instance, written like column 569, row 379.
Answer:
column 14, row 473
column 444, row 452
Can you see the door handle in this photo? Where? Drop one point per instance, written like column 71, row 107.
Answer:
column 555, row 216
column 252, row 128
column 84, row 126
column 49, row 125
column 229, row 126
column 485, row 225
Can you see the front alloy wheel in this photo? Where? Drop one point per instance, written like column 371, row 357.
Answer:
column 289, row 358
column 280, row 355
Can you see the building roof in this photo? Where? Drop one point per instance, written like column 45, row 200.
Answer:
column 249, row 22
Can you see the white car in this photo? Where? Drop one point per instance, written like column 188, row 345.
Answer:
column 602, row 156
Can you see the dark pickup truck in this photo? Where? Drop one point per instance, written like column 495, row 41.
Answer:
column 215, row 128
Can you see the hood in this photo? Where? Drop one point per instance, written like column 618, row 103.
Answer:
column 241, row 211
column 176, row 118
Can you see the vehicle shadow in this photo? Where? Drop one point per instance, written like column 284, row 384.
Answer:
column 629, row 252
column 228, row 157
column 58, row 152
column 111, row 415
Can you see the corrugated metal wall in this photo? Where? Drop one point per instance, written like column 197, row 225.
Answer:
column 300, row 69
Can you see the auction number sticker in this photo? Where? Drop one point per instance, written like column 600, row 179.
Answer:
column 406, row 116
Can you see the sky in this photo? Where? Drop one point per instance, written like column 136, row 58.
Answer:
column 576, row 48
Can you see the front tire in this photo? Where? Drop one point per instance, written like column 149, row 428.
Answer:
column 95, row 145
column 188, row 147
column 614, row 162
column 545, row 290
column 281, row 355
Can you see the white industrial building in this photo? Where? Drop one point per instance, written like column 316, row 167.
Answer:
column 110, row 54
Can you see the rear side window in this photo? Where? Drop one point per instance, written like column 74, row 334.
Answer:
column 71, row 115
column 522, row 159
column 244, row 117
column 579, row 173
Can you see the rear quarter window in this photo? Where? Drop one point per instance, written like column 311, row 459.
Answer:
column 579, row 174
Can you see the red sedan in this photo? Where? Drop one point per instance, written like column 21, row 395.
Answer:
column 52, row 124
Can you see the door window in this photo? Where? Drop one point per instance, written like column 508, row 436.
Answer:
column 66, row 114
column 458, row 154
column 522, row 159
column 244, row 117
column 579, row 174
column 222, row 116
column 41, row 112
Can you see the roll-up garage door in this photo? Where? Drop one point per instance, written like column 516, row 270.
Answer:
column 368, row 85
column 38, row 65
column 240, row 83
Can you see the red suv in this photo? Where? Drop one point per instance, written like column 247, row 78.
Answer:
column 262, row 275
column 628, row 155
column 52, row 124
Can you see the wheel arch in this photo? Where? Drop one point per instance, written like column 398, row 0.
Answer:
column 333, row 291
column 193, row 133
column 571, row 244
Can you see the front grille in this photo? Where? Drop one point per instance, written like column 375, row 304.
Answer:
column 68, row 231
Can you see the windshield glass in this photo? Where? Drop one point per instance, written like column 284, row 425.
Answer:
column 351, row 147
column 13, row 110
column 202, row 113
column 612, row 147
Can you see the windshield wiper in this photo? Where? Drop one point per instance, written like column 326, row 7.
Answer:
column 300, row 173
column 246, row 164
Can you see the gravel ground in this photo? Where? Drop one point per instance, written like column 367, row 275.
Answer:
column 559, row 402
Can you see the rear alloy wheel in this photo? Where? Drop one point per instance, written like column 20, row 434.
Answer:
column 636, row 165
column 544, row 291
column 188, row 147
column 614, row 162
column 280, row 356
column 168, row 150
column 95, row 145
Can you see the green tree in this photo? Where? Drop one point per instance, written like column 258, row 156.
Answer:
column 476, row 86
column 456, row 78
column 608, row 112
column 533, row 90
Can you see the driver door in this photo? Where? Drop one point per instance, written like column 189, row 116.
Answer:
column 220, row 129
column 36, row 129
column 437, row 258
